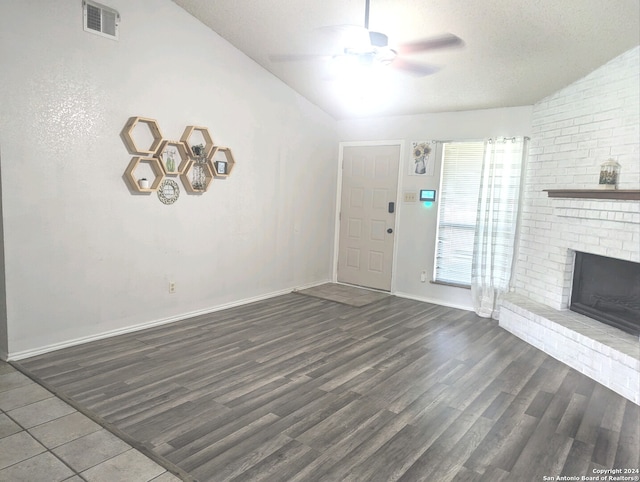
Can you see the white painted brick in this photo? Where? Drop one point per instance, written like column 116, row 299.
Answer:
column 562, row 139
column 593, row 127
column 593, row 358
column 570, row 130
column 611, row 243
column 574, row 131
column 565, row 147
column 602, row 153
column 605, row 115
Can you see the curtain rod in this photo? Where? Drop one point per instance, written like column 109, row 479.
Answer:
column 490, row 139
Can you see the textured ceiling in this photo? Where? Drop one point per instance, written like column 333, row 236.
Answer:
column 515, row 53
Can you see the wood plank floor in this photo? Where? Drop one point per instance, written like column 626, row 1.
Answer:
column 301, row 389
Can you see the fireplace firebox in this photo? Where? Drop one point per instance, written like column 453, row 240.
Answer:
column 607, row 290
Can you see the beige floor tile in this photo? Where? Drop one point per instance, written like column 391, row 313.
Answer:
column 166, row 477
column 40, row 412
column 6, row 368
column 77, row 440
column 18, row 447
column 131, row 466
column 64, row 429
column 13, row 379
column 8, row 426
column 90, row 450
column 43, row 467
column 21, row 396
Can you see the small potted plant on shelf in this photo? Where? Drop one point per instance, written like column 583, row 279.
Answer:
column 198, row 152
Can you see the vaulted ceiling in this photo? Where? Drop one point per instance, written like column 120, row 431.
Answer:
column 515, row 52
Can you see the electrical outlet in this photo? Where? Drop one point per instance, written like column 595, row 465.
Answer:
column 172, row 287
column 410, row 197
column 423, row 277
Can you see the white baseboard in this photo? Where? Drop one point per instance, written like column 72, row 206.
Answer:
column 149, row 324
column 433, row 301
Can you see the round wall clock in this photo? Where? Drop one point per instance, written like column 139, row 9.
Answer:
column 168, row 191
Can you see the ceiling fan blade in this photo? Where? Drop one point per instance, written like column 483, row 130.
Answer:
column 413, row 68
column 431, row 43
column 298, row 57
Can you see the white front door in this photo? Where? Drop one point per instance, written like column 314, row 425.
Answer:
column 367, row 215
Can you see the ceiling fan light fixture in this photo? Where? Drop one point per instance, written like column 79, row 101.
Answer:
column 356, row 41
column 359, row 51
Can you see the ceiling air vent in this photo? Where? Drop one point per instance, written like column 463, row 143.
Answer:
column 100, row 20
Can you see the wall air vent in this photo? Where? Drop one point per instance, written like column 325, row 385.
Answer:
column 100, row 20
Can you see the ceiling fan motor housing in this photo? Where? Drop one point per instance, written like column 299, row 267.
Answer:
column 378, row 39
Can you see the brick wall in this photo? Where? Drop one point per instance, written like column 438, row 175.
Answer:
column 574, row 131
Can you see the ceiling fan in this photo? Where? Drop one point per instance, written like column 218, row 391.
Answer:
column 367, row 47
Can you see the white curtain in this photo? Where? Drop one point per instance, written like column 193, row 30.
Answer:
column 496, row 225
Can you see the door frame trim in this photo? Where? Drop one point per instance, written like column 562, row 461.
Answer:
column 336, row 240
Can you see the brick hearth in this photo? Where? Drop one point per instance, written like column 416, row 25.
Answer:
column 604, row 353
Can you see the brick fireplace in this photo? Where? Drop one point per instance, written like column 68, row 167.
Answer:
column 608, row 290
column 573, row 132
column 604, row 353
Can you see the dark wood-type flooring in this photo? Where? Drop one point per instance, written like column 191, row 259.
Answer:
column 301, row 389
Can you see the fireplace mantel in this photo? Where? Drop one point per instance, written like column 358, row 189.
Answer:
column 622, row 194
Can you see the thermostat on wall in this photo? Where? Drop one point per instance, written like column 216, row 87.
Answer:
column 427, row 194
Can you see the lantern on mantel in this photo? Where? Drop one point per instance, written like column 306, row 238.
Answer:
column 609, row 172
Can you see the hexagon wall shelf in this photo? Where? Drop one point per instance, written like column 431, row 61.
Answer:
column 229, row 157
column 186, row 178
column 156, row 168
column 173, row 158
column 130, row 127
column 208, row 141
column 179, row 165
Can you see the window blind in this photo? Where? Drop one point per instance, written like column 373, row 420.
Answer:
column 458, row 206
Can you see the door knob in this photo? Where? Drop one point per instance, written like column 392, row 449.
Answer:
column 389, row 230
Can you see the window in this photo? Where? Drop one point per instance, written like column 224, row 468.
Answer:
column 458, row 206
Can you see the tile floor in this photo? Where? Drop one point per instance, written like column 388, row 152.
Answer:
column 43, row 439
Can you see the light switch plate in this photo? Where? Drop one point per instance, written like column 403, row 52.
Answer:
column 410, row 197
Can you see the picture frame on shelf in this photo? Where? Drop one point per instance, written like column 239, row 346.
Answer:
column 221, row 167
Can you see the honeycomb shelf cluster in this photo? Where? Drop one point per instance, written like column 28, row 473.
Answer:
column 160, row 155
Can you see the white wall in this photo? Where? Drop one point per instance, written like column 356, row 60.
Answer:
column 574, row 131
column 3, row 298
column 416, row 233
column 83, row 256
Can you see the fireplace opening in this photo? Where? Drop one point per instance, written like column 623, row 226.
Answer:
column 607, row 290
